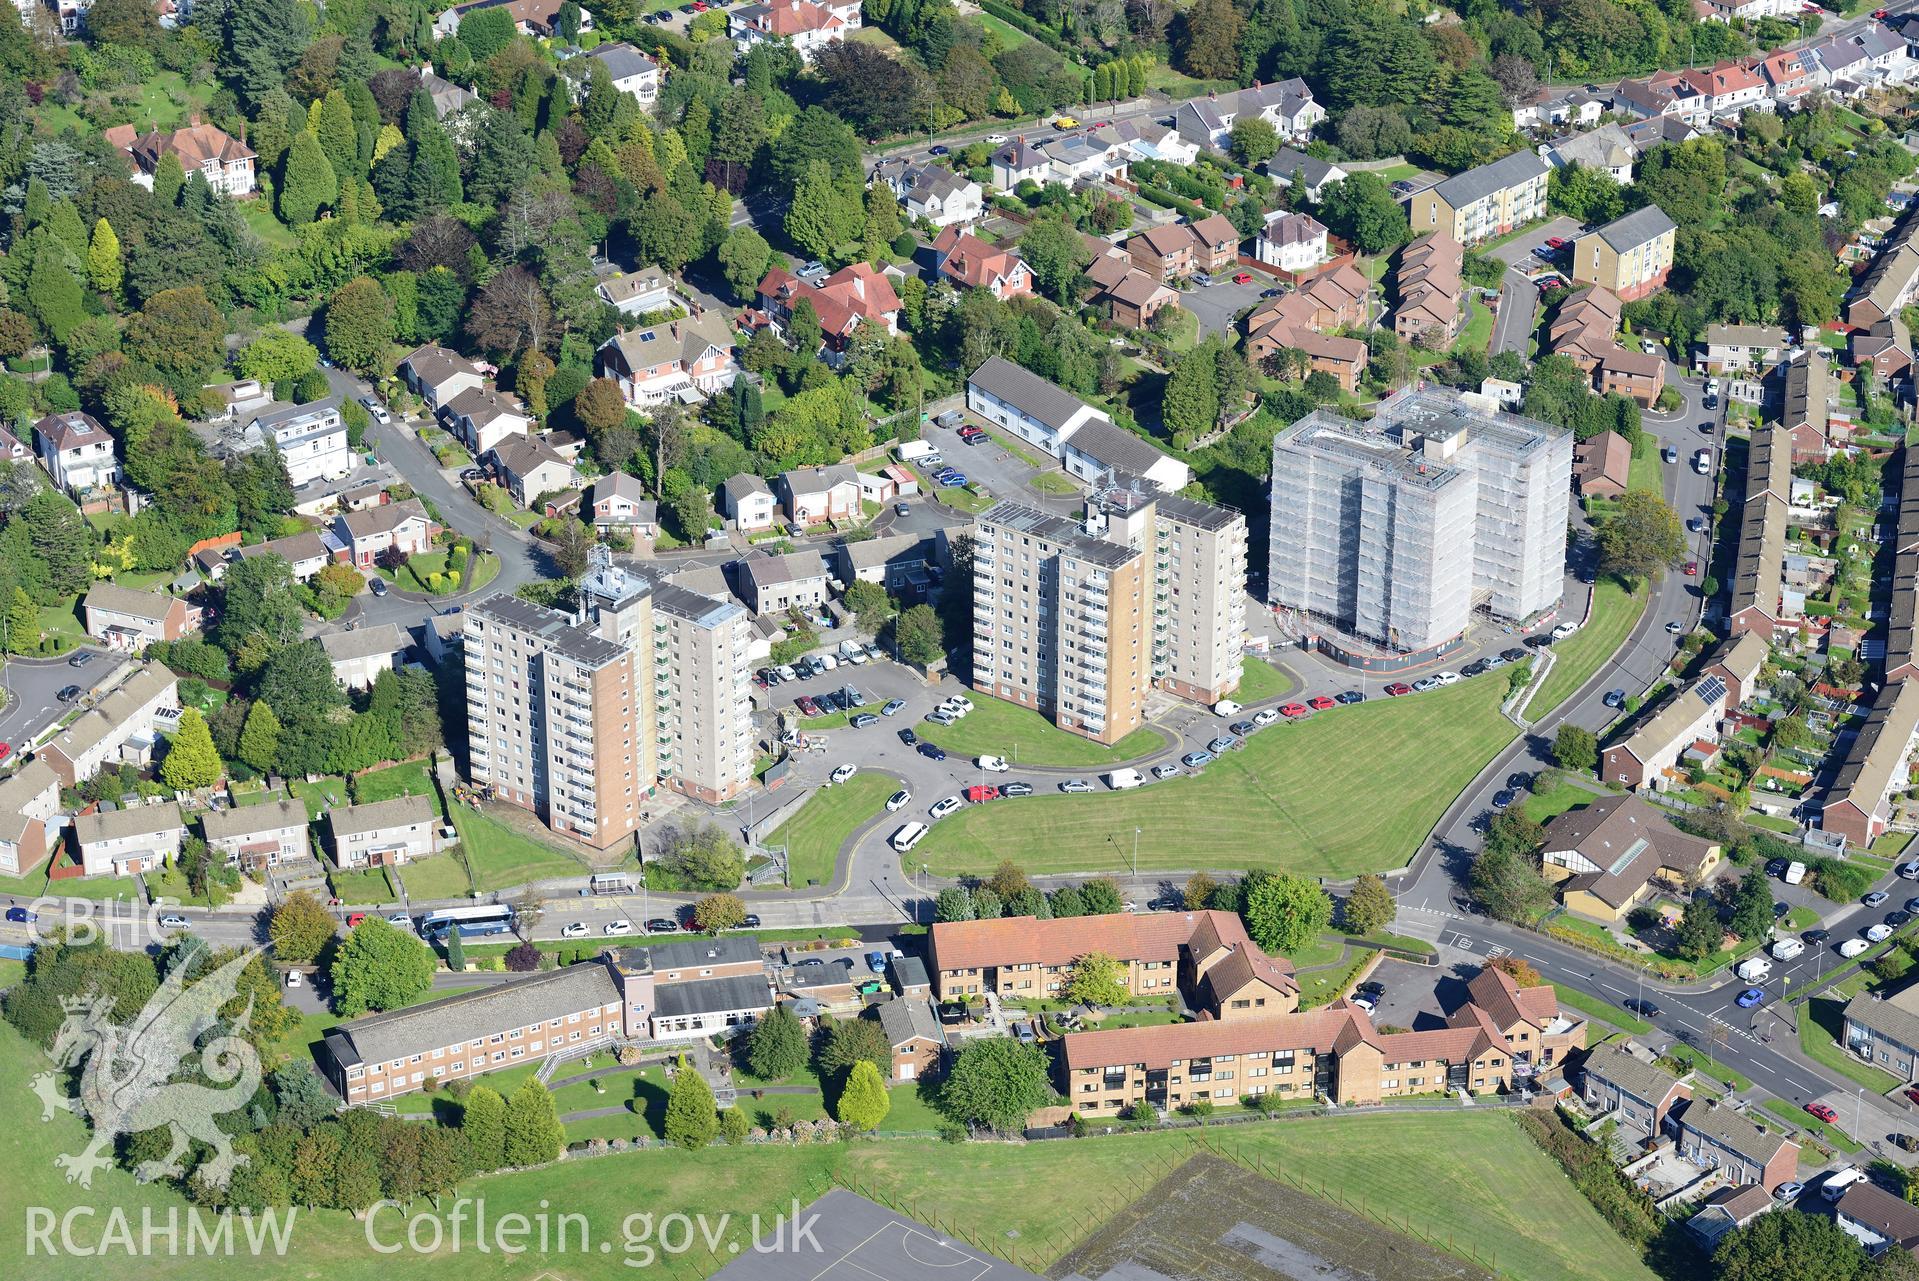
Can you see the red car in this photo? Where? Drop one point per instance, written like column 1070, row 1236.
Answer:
column 1692, row 569
column 1292, row 711
column 807, row 706
column 1397, row 688
column 1321, row 703
column 1879, row 15
column 353, row 921
column 1912, row 1094
column 1243, row 278
column 1823, row 1112
column 1555, row 242
column 6, row 750
column 982, row 792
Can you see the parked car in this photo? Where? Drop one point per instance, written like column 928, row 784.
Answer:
column 1446, row 678
column 1424, row 684
column 1166, row 771
column 1878, row 933
column 1194, row 760
column 85, row 656
column 945, row 805
column 932, row 751
column 1225, row 707
column 1675, row 627
column 1615, row 698
column 1909, row 871
column 1503, row 798
column 863, row 720
column 1321, row 703
column 1398, row 688
column 980, row 792
column 844, row 772
column 1265, row 716
column 993, row 764
column 174, row 921
column 1349, row 696
column 1222, row 745
column 1016, row 789
column 1242, row 278
column 573, row 930
column 958, row 703
column 68, row 693
column 1853, row 947
column 1243, row 729
column 622, row 926
column 939, row 716
column 293, row 979
column 894, row 706
column 1752, row 996
column 1519, row 780
column 1788, row 1191
column 1513, row 655
column 1875, row 898
column 1823, row 1111
column 807, row 704
column 1076, row 785
column 661, row 925
column 1293, row 711
column 377, row 586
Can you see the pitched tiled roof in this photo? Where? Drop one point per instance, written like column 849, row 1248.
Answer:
column 153, row 606
column 383, row 519
column 475, row 1015
column 70, row 431
column 1018, row 940
column 1474, row 185
column 134, row 820
column 245, row 820
column 1735, row 1132
column 908, row 1018
column 400, row 811
column 1316, row 1030
column 1625, row 1070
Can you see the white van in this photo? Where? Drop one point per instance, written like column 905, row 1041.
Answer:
column 1838, row 1181
column 909, row 450
column 1121, row 779
column 909, row 836
column 1702, row 462
column 1754, row 969
column 1795, row 873
column 1787, row 949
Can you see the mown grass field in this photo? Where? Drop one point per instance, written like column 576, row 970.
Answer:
column 1024, row 737
column 1462, row 1175
column 1351, row 790
column 814, row 835
column 1615, row 610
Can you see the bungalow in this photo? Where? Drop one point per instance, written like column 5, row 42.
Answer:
column 29, row 801
column 128, row 620
column 687, row 360
column 123, row 725
column 703, row 1007
column 1315, row 175
column 437, row 375
column 307, row 553
column 773, row 584
column 1607, row 856
column 913, row 1031
column 636, row 293
column 1602, row 465
column 747, row 501
column 400, row 529
column 970, row 263
column 1686, row 717
column 383, row 833
column 484, row 416
column 121, row 842
column 360, row 655
column 617, row 503
column 77, row 452
column 820, row 495
column 1728, row 1210
column 256, row 837
column 931, row 193
column 529, row 468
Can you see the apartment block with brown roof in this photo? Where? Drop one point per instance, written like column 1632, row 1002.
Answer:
column 1166, row 252
column 1427, row 283
column 1206, row 955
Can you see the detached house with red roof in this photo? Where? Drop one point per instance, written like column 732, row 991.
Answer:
column 842, row 301
column 808, row 27
column 223, row 160
column 971, row 263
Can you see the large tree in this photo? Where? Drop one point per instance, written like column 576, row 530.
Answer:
column 1206, row 42
column 191, row 761
column 776, row 1047
column 181, row 334
column 264, row 39
column 863, row 1101
column 299, row 928
column 534, row 1134
column 1795, row 1247
column 258, row 596
column 359, row 324
column 309, row 183
column 996, row 1082
column 1097, row 978
column 380, row 967
column 483, row 1126
column 1057, row 254
column 1641, row 538
column 1370, row 906
column 692, row 1120
column 846, row 1042
column 1284, row 913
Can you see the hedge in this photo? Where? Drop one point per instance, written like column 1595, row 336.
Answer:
column 1014, row 18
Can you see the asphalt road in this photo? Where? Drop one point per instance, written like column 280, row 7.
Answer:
column 1513, row 322
column 32, row 686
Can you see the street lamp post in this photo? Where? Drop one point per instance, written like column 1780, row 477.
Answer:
column 1136, row 853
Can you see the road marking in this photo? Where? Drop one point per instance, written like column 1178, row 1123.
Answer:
column 1610, row 988
column 1492, row 952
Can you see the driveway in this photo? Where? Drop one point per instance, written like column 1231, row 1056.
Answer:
column 1218, row 303
column 1513, row 323
column 1520, row 246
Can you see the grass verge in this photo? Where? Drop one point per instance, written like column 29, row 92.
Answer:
column 1614, row 612
column 1024, row 737
column 813, row 836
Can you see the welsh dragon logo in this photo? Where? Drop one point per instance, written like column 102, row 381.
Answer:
column 126, row 1083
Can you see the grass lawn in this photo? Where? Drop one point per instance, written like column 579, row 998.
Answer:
column 1014, row 448
column 439, row 877
column 1798, row 1118
column 500, row 856
column 1615, row 611
column 1465, row 1174
column 62, row 620
column 32, row 885
column 367, row 885
column 1054, row 482
column 1010, row 36
column 418, row 571
column 321, row 796
column 1274, row 803
column 1644, row 473
column 1552, row 804
column 258, row 216
column 1606, row 1012
column 1821, row 1024
column 409, row 779
column 1478, row 331
column 101, row 889
column 997, row 728
column 814, row 835
column 1259, row 681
